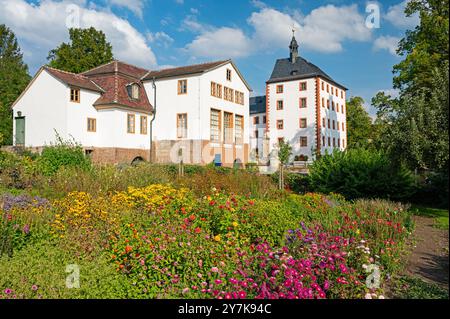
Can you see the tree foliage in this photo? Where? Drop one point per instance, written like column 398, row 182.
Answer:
column 87, row 49
column 360, row 173
column 13, row 80
column 425, row 47
column 359, row 124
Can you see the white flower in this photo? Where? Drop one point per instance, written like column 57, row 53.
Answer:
column 380, row 297
column 368, row 296
column 364, row 266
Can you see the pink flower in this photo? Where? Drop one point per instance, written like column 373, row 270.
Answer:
column 7, row 291
column 34, row 287
column 218, row 281
column 215, row 269
column 242, row 294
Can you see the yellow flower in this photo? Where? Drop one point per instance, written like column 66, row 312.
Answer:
column 217, row 238
column 235, row 224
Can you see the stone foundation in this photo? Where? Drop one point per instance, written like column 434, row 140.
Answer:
column 114, row 155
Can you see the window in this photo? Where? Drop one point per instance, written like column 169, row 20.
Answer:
column 264, row 119
column 256, row 120
column 343, row 127
column 302, row 102
column 339, row 142
column 342, row 108
column 239, row 129
column 303, row 86
column 337, row 107
column 91, row 125
column 329, row 126
column 280, row 124
column 323, row 102
column 239, row 97
column 342, row 94
column 279, row 105
column 303, row 141
column 216, row 90
column 143, row 124
column 215, row 125
column 303, row 123
column 332, row 106
column 256, row 134
column 334, row 142
column 328, row 88
column 131, row 123
column 334, row 125
column 280, row 140
column 228, row 74
column 328, row 104
column 133, row 91
column 323, row 85
column 323, row 141
column 75, row 95
column 228, row 127
column 343, row 143
column 329, row 141
column 279, row 88
column 323, row 123
column 182, row 125
column 228, row 94
column 337, row 125
column 337, row 93
column 182, row 87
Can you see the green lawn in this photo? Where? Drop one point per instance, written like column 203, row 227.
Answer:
column 411, row 287
column 440, row 215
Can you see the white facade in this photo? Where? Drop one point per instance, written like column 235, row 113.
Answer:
column 257, row 130
column 48, row 111
column 196, row 103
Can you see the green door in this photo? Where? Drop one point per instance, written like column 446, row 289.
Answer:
column 20, row 131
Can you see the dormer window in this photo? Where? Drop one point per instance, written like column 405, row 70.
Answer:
column 228, row 75
column 133, row 91
column 294, row 72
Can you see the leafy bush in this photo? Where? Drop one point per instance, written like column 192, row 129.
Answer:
column 17, row 171
column 62, row 154
column 297, row 183
column 360, row 173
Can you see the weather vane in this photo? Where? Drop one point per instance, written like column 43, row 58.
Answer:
column 293, row 30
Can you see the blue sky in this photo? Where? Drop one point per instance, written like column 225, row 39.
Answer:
column 157, row 34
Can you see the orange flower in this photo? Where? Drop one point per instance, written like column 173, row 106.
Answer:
column 192, row 217
column 198, row 230
column 128, row 249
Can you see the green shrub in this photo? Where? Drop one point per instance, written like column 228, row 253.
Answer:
column 360, row 173
column 65, row 153
column 297, row 183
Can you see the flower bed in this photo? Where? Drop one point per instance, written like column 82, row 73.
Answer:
column 166, row 242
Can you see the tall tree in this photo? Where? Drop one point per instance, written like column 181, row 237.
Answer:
column 417, row 123
column 13, row 80
column 359, row 124
column 426, row 47
column 87, row 49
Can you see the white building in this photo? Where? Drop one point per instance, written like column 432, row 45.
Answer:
column 202, row 110
column 305, row 107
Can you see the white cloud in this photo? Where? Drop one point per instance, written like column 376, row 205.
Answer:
column 393, row 93
column 259, row 4
column 221, row 43
column 179, row 1
column 160, row 38
column 323, row 30
column 389, row 43
column 41, row 27
column 135, row 6
column 396, row 15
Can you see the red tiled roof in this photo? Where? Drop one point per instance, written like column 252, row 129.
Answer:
column 117, row 67
column 116, row 93
column 184, row 70
column 73, row 79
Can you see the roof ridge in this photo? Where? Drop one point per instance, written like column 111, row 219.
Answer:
column 64, row 71
column 102, row 65
column 191, row 65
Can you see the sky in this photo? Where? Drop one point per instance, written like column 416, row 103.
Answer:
column 352, row 41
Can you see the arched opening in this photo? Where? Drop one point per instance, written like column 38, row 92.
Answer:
column 237, row 163
column 137, row 160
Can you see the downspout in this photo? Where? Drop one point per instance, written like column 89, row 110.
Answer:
column 152, row 120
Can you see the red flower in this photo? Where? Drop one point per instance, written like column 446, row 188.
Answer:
column 128, row 249
column 198, row 230
column 192, row 217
